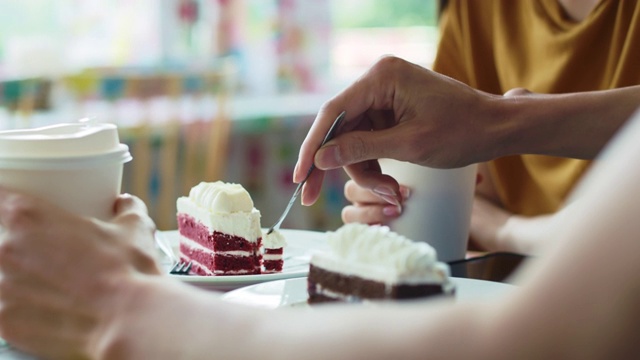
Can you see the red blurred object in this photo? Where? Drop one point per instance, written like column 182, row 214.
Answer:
column 188, row 11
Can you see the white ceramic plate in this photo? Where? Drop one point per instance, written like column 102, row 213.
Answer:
column 300, row 245
column 293, row 292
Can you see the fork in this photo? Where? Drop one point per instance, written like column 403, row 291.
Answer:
column 178, row 267
column 329, row 136
column 181, row 268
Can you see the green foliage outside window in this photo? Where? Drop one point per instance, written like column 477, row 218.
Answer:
column 384, row 13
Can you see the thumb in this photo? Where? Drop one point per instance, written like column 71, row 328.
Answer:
column 357, row 146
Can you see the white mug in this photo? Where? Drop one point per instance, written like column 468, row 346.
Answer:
column 438, row 210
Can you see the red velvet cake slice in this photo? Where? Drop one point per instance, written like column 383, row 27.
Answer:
column 220, row 230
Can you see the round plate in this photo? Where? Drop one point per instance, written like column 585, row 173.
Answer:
column 293, row 292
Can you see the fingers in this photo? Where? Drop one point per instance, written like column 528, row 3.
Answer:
column 368, row 175
column 373, row 91
column 17, row 210
column 139, row 229
column 358, row 146
column 369, row 214
column 311, row 188
column 369, row 207
column 358, row 195
column 132, row 212
column 129, row 203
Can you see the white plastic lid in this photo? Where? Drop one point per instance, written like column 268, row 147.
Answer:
column 69, row 145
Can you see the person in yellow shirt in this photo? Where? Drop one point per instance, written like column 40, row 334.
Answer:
column 546, row 47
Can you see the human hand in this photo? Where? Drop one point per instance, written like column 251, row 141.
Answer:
column 494, row 229
column 402, row 111
column 62, row 276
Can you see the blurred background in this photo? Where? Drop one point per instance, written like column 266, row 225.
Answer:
column 203, row 90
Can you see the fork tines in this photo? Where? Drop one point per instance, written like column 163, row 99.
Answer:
column 181, row 268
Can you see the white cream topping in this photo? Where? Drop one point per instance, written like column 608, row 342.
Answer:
column 378, row 245
column 221, row 197
column 275, row 240
column 225, row 207
column 376, row 252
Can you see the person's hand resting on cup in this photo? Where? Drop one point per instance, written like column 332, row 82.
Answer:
column 396, row 110
column 60, row 271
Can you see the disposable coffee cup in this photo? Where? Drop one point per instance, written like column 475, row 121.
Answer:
column 439, row 208
column 77, row 166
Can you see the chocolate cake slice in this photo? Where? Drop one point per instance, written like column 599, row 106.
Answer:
column 367, row 263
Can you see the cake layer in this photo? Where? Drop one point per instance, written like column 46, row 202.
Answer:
column 198, row 269
column 221, row 263
column 326, row 285
column 274, row 252
column 216, row 240
column 272, row 260
column 338, row 285
column 272, row 266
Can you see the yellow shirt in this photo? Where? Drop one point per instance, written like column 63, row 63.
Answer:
column 497, row 45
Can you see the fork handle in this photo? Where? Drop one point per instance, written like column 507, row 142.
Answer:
column 276, row 226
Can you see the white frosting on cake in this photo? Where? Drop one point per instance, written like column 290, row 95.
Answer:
column 274, row 240
column 377, row 253
column 222, row 197
column 224, row 207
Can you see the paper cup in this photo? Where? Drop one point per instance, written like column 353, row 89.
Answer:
column 439, row 208
column 75, row 166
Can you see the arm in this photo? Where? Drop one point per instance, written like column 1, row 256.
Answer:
column 576, row 125
column 422, row 117
column 584, row 287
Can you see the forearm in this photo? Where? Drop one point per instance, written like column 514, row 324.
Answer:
column 398, row 331
column 574, row 125
column 164, row 320
column 158, row 318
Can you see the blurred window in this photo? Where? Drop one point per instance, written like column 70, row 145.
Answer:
column 49, row 37
column 365, row 30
